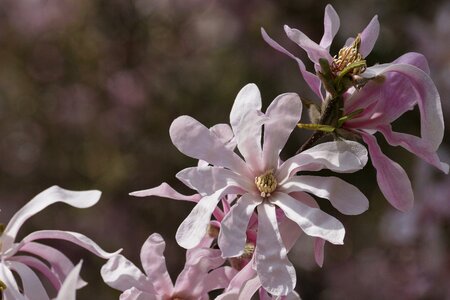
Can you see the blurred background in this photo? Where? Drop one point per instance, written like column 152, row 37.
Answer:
column 88, row 90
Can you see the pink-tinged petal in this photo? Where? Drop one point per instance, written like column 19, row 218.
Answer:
column 193, row 228
column 305, row 198
column 154, row 264
column 12, row 289
column 312, row 221
column 69, row 287
column 284, row 113
column 245, row 292
column 392, row 179
column 369, row 36
column 225, row 134
column 219, row 278
column 340, row 156
column 81, row 199
column 428, row 100
column 246, row 120
column 345, row 197
column 274, row 269
column 314, row 51
column 232, row 235
column 73, row 237
column 241, row 277
column 414, row 145
column 198, row 263
column 195, row 140
column 415, row 59
column 121, row 274
column 206, row 180
column 31, row 284
column 38, row 265
column 311, row 79
column 135, row 294
column 319, row 245
column 59, row 263
column 331, row 26
column 166, row 191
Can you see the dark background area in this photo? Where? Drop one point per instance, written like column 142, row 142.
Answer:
column 88, row 90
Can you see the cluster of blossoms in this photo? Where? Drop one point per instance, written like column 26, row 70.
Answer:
column 251, row 206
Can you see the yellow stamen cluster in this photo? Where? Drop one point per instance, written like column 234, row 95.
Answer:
column 266, row 183
column 2, row 286
column 347, row 56
column 213, row 231
column 249, row 248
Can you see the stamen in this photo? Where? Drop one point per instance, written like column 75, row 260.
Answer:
column 249, row 249
column 266, row 183
column 348, row 56
column 2, row 286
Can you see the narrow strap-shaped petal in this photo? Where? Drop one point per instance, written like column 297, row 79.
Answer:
column 79, row 199
column 340, row 156
column 414, row 145
column 73, row 237
column 193, row 228
column 312, row 221
column 311, row 79
column 135, row 294
column 208, row 179
column 166, row 191
column 241, row 277
column 195, row 140
column 343, row 196
column 154, row 264
column 232, row 235
column 31, row 284
column 69, row 287
column 274, row 269
column 331, row 26
column 428, row 100
column 319, row 245
column 284, row 113
column 314, row 51
column 392, row 179
column 246, row 120
column 38, row 265
column 369, row 36
column 121, row 274
column 60, row 264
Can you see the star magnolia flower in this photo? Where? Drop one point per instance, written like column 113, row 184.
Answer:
column 398, row 87
column 202, row 273
column 263, row 184
column 50, row 262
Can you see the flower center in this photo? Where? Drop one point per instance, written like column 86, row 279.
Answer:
column 347, row 56
column 266, row 183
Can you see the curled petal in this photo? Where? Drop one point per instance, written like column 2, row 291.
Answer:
column 414, row 145
column 319, row 245
column 314, row 51
column 166, row 191
column 12, row 289
column 73, row 237
column 232, row 235
column 369, row 36
column 79, row 199
column 219, row 278
column 392, row 179
column 38, row 265
column 31, row 284
column 312, row 221
column 343, row 196
column 331, row 27
column 311, row 79
column 274, row 269
column 154, row 264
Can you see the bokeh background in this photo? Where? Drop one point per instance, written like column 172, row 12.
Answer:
column 88, row 90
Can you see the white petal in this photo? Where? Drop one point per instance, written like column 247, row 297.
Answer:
column 81, row 199
column 69, row 287
column 32, row 285
column 313, row 221
column 343, row 196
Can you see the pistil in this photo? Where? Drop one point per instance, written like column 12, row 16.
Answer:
column 348, row 56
